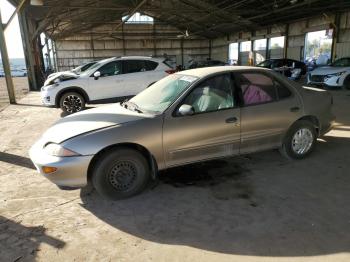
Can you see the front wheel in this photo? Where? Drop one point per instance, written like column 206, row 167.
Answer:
column 72, row 102
column 299, row 141
column 120, row 173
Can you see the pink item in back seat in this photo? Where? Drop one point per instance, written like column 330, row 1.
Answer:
column 255, row 95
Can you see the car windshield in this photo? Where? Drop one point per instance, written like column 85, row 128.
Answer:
column 93, row 68
column 341, row 62
column 266, row 63
column 159, row 96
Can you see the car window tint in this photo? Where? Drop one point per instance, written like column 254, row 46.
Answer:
column 282, row 91
column 134, row 66
column 257, row 88
column 151, row 65
column 213, row 94
column 110, row 69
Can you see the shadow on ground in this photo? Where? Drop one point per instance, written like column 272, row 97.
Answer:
column 16, row 160
column 21, row 243
column 260, row 205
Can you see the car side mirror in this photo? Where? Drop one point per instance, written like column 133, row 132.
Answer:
column 97, row 75
column 186, row 110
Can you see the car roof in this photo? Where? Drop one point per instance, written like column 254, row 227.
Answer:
column 140, row 57
column 205, row 71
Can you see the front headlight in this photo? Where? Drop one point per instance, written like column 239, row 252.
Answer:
column 337, row 74
column 58, row 150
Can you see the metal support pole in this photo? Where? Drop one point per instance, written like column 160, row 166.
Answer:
column 286, row 41
column 210, row 47
column 6, row 64
column 336, row 30
column 48, row 53
column 267, row 48
column 182, row 51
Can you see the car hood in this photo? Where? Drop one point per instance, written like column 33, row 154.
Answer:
column 62, row 76
column 325, row 70
column 91, row 120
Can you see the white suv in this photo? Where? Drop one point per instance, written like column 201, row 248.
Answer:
column 108, row 79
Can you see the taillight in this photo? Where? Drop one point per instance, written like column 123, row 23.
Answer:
column 170, row 71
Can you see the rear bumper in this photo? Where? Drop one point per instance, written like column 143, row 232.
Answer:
column 71, row 171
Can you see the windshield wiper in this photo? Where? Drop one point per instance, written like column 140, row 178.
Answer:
column 132, row 106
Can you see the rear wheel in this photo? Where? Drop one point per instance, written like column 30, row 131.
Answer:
column 300, row 140
column 121, row 173
column 72, row 102
column 347, row 83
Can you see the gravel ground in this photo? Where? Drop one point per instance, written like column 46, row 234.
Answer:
column 21, row 89
column 260, row 207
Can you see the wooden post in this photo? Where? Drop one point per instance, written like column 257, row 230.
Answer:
column 6, row 65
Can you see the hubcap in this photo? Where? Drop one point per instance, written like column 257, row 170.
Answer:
column 72, row 104
column 302, row 141
column 123, row 175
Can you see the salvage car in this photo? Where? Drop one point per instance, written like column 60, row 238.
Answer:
column 336, row 74
column 108, row 79
column 187, row 117
column 288, row 67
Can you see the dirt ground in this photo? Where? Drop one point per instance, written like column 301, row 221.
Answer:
column 21, row 89
column 260, row 207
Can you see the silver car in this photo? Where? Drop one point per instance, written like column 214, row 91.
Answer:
column 186, row 117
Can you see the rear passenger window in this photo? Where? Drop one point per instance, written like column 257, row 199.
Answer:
column 282, row 91
column 151, row 65
column 133, row 66
column 257, row 88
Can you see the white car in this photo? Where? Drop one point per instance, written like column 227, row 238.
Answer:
column 336, row 74
column 111, row 78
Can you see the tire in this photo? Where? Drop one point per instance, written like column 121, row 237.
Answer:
column 346, row 83
column 72, row 102
column 289, row 147
column 120, row 174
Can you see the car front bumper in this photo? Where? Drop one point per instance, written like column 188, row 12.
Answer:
column 71, row 171
column 331, row 81
column 48, row 97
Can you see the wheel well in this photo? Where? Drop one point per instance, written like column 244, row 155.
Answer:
column 313, row 120
column 148, row 156
column 71, row 89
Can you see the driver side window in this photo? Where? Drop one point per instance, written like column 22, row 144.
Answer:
column 110, row 69
column 211, row 95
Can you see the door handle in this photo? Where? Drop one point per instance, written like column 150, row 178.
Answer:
column 294, row 109
column 231, row 120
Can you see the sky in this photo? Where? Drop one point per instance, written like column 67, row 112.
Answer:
column 12, row 33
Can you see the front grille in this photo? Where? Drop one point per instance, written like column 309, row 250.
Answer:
column 317, row 78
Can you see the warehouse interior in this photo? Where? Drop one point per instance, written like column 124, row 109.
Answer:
column 254, row 207
column 76, row 32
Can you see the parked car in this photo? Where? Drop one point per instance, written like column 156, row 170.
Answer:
column 190, row 116
column 15, row 72
column 288, row 67
column 110, row 78
column 336, row 74
column 18, row 72
column 205, row 63
column 78, row 70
